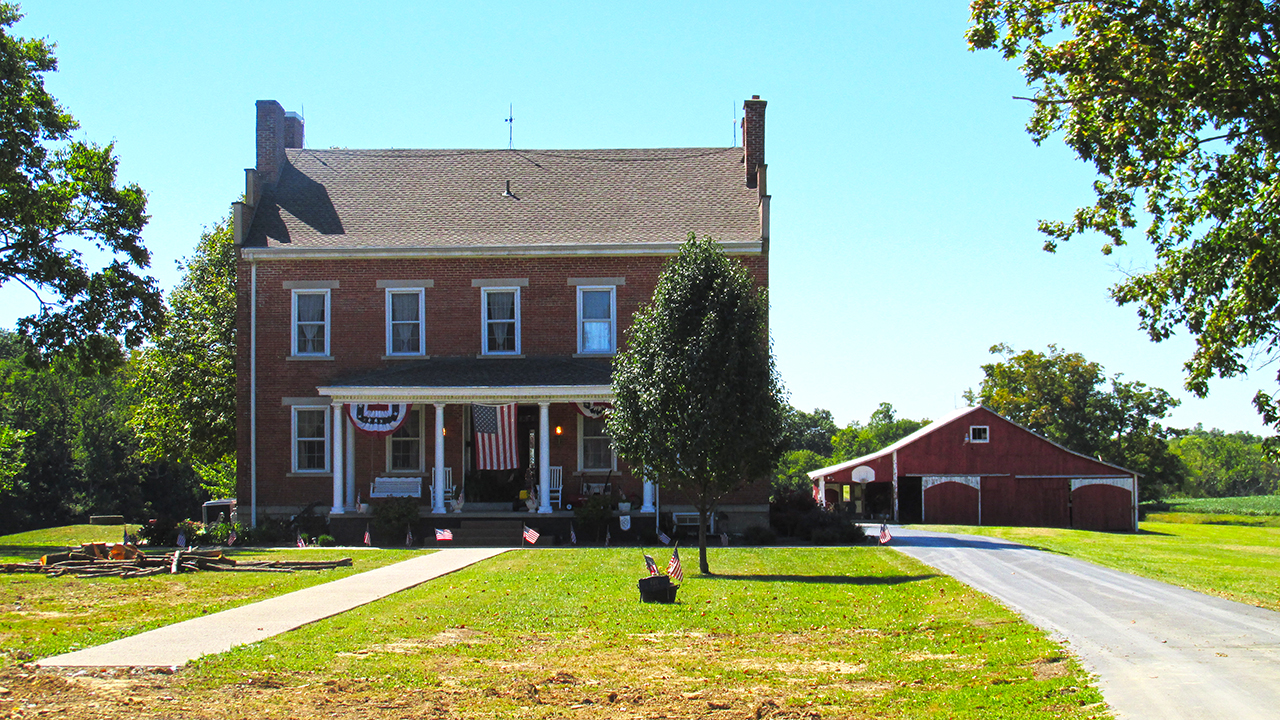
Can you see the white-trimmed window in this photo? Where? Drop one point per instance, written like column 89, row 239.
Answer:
column 405, row 321
column 310, row 322
column 501, row 316
column 405, row 445
column 310, row 438
column 595, row 447
column 979, row 434
column 597, row 329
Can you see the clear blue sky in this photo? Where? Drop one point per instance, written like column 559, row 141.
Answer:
column 905, row 188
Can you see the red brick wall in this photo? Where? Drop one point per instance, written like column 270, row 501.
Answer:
column 452, row 328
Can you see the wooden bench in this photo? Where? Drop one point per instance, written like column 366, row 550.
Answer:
column 385, row 487
column 690, row 520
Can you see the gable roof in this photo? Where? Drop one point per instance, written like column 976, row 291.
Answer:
column 332, row 200
column 938, row 425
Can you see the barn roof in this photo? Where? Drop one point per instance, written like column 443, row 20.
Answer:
column 938, row 425
column 355, row 199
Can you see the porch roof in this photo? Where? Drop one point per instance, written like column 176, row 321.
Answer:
column 467, row 379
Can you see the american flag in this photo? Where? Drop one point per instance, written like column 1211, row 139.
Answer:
column 724, row 539
column 606, row 537
column 231, row 538
column 495, row 429
column 649, row 563
column 666, row 539
column 126, row 536
column 443, row 534
column 530, row 535
column 408, row 536
column 573, row 536
column 885, row 537
column 182, row 538
column 300, row 541
column 674, row 571
column 367, row 541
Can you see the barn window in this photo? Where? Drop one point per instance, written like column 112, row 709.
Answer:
column 979, row 434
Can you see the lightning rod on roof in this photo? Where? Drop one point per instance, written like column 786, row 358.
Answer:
column 511, row 124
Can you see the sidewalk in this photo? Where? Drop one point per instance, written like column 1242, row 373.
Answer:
column 178, row 644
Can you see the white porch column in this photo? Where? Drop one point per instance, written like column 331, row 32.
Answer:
column 349, row 431
column 339, row 465
column 647, row 503
column 544, row 459
column 822, row 491
column 437, row 487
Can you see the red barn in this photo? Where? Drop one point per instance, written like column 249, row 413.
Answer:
column 975, row 467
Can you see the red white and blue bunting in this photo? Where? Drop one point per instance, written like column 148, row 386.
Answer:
column 593, row 410
column 378, row 419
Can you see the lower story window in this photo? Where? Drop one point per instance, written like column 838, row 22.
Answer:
column 596, row 445
column 310, row 439
column 405, row 452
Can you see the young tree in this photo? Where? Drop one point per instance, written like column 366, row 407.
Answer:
column 57, row 197
column 883, row 429
column 697, row 401
column 187, row 379
column 1065, row 398
column 1175, row 104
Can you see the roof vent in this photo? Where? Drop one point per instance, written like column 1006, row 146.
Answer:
column 508, row 193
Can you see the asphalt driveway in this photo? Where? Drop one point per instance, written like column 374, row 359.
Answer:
column 1159, row 651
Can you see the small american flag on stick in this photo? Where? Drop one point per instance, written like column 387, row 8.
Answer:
column 651, row 565
column 443, row 534
column 573, row 536
column 530, row 535
column 367, row 540
column 885, row 537
column 665, row 538
column 674, row 571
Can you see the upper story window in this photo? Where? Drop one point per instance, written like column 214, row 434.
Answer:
column 595, row 447
column 310, row 322
column 501, row 321
column 405, row 445
column 405, row 316
column 597, row 331
column 979, row 434
column 310, row 438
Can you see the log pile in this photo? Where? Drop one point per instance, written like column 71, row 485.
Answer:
column 94, row 560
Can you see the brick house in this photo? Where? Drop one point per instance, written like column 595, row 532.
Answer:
column 432, row 286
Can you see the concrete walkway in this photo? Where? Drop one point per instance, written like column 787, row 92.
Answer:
column 1159, row 651
column 178, row 644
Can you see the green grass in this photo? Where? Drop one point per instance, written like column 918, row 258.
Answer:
column 1198, row 518
column 1253, row 505
column 42, row 616
column 842, row 632
column 1234, row 562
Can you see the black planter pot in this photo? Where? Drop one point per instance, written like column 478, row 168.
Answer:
column 657, row 588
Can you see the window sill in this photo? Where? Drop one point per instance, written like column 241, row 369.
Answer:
column 594, row 473
column 500, row 356
column 308, row 358
column 406, row 357
column 594, row 355
column 405, row 473
column 326, row 474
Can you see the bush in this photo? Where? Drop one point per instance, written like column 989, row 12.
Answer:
column 326, row 541
column 792, row 514
column 759, row 535
column 592, row 517
column 393, row 516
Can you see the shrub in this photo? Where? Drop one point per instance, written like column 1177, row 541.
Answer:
column 592, row 517
column 326, row 541
column 759, row 535
column 393, row 516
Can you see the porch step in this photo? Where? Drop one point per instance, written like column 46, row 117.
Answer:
column 489, row 533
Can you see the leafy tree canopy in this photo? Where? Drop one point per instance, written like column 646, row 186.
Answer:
column 1223, row 464
column 792, row 473
column 58, row 198
column 810, row 430
column 187, row 379
column 882, row 430
column 697, row 401
column 1177, row 105
column 1072, row 402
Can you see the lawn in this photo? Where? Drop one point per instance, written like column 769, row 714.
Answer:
column 779, row 633
column 42, row 616
column 1235, row 562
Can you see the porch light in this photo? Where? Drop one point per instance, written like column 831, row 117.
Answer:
column 559, row 430
column 444, row 431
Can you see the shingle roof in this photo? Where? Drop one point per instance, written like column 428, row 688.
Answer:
column 334, row 199
column 455, row 372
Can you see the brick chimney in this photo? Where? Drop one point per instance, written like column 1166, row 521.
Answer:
column 753, row 138
column 276, row 131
